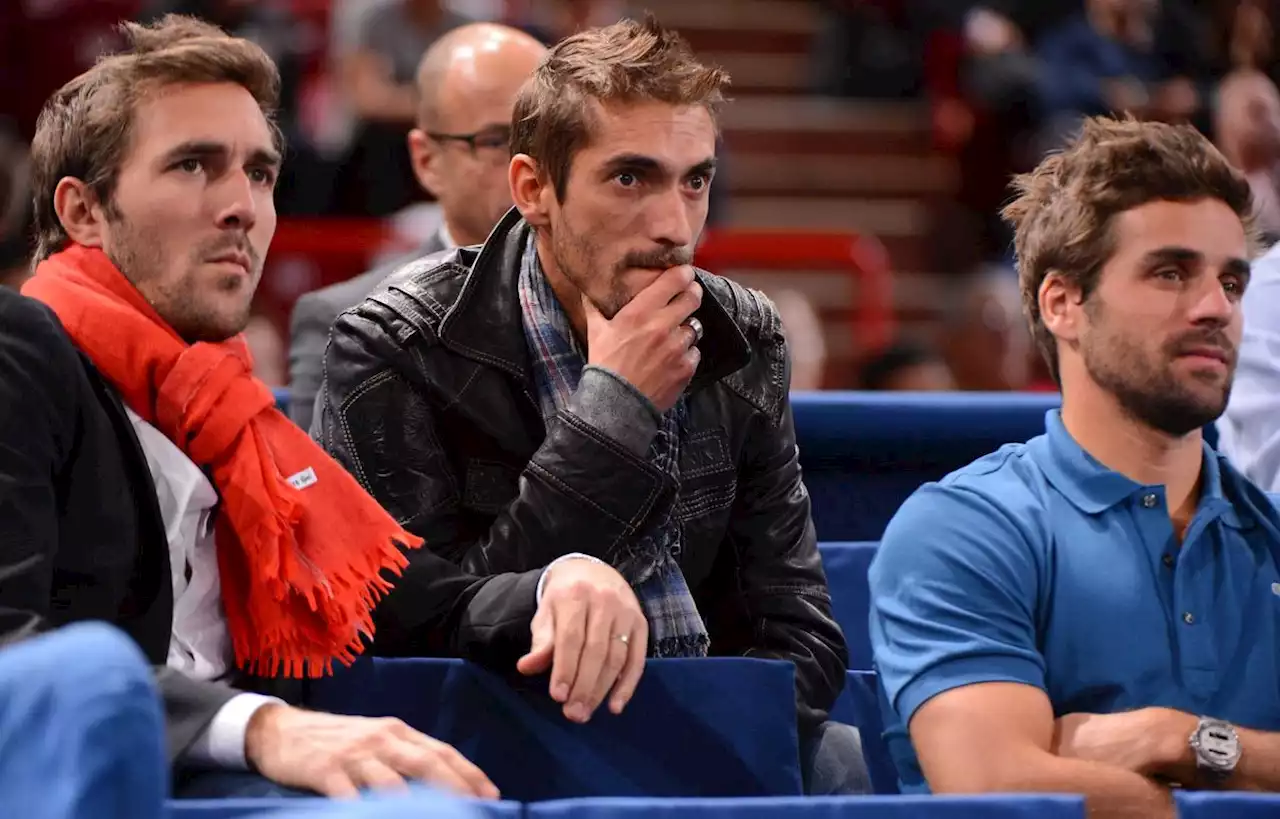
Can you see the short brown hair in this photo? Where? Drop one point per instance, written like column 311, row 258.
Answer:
column 85, row 126
column 629, row 61
column 1063, row 212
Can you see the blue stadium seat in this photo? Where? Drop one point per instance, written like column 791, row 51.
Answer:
column 1219, row 805
column 846, row 568
column 849, row 807
column 859, row 705
column 864, row 453
column 710, row 727
column 376, row 808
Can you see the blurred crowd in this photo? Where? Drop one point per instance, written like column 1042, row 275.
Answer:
column 1009, row 79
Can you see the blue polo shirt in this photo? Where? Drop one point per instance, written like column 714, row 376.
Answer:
column 1038, row 565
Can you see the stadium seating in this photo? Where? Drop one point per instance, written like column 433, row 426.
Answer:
column 711, row 728
column 867, row 807
column 846, row 567
column 1218, row 805
column 864, row 453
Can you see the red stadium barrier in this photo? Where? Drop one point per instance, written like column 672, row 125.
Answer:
column 862, row 258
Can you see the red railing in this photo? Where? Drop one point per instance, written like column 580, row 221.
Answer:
column 862, row 258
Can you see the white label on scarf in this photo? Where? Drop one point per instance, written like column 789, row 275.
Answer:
column 303, row 479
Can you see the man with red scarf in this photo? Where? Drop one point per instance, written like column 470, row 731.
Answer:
column 146, row 478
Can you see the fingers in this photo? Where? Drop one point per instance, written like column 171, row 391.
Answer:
column 659, row 293
column 338, row 785
column 591, row 666
column 629, row 678
column 681, row 306
column 430, row 760
column 570, row 626
column 373, row 773
column 539, row 657
column 618, row 651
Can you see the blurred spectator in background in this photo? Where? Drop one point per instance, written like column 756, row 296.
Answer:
column 1249, row 431
column 985, row 342
column 467, row 83
column 906, row 367
column 803, row 326
column 15, row 210
column 1247, row 129
column 553, row 20
column 1144, row 57
column 377, row 75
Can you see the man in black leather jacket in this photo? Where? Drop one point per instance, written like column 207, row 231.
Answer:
column 574, row 385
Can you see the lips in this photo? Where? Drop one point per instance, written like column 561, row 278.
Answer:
column 1213, row 353
column 234, row 257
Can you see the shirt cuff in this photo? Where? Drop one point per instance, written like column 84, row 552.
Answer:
column 222, row 743
column 571, row 556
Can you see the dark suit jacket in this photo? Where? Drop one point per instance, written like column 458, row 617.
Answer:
column 82, row 537
column 313, row 316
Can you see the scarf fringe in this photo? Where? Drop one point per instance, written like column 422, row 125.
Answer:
column 683, row 645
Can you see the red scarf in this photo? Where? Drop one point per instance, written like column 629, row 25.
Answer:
column 300, row 567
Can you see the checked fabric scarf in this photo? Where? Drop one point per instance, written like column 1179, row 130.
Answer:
column 675, row 626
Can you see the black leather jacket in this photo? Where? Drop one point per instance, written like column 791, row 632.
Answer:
column 429, row 401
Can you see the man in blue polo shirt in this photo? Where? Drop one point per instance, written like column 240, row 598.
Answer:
column 1097, row 611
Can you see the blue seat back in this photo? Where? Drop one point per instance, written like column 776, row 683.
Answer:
column 846, row 567
column 850, row 807
column 864, row 453
column 707, row 727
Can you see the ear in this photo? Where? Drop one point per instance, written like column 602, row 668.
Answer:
column 78, row 210
column 532, row 194
column 424, row 154
column 1060, row 307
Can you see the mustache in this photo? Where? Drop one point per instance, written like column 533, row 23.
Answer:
column 232, row 244
column 659, row 259
column 1215, row 339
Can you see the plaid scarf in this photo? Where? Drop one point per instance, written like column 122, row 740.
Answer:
column 675, row 626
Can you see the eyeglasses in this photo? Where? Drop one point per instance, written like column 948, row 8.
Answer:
column 490, row 139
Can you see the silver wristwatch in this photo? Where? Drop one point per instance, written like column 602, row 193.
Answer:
column 1217, row 748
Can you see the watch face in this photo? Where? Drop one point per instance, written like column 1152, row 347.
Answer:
column 1218, row 745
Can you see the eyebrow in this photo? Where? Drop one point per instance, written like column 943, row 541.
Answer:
column 1185, row 255
column 640, row 162
column 202, row 148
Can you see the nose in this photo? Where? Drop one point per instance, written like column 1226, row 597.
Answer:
column 237, row 207
column 670, row 220
column 1212, row 304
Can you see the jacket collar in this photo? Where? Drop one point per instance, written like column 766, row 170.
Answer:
column 484, row 323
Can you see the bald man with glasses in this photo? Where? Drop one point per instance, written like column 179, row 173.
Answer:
column 467, row 83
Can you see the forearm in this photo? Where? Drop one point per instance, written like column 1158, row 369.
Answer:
column 1109, row 792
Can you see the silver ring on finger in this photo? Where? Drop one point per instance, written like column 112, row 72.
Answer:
column 625, row 639
column 696, row 326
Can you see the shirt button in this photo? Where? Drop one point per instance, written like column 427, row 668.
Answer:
column 1167, row 560
column 1150, row 500
column 1188, row 617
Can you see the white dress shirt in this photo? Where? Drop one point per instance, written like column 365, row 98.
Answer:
column 1249, row 431
column 200, row 645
